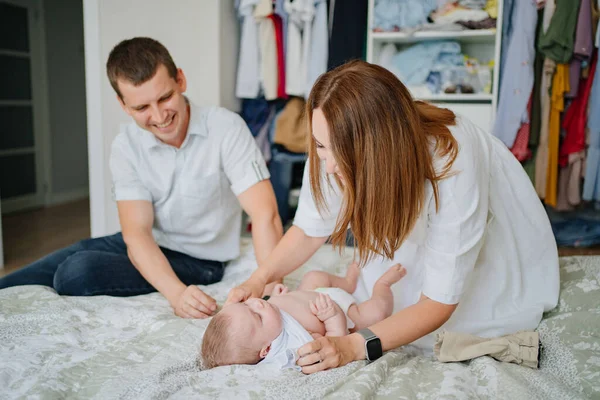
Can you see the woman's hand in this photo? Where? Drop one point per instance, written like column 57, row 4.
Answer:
column 331, row 352
column 253, row 287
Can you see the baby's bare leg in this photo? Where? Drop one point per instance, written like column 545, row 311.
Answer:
column 317, row 279
column 381, row 304
column 332, row 316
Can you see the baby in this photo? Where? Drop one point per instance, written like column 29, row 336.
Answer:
column 272, row 330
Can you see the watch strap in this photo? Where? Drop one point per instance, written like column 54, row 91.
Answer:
column 367, row 334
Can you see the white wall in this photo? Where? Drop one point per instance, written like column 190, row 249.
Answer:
column 66, row 99
column 201, row 36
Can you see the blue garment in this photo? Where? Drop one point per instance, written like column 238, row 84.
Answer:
column 507, row 28
column 391, row 14
column 578, row 232
column 518, row 68
column 416, row 62
column 591, row 184
column 319, row 46
column 101, row 266
column 256, row 113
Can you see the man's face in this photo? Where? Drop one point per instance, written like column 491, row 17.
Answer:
column 158, row 105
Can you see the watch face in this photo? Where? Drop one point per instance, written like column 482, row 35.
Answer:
column 374, row 350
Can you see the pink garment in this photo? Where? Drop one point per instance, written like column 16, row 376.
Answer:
column 520, row 148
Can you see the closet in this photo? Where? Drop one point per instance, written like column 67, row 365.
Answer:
column 440, row 61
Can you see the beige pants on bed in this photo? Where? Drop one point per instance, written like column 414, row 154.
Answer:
column 520, row 348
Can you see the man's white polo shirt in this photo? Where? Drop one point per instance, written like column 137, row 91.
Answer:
column 193, row 189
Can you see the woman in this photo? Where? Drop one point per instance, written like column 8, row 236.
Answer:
column 420, row 186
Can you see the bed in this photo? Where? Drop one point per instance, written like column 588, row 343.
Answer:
column 111, row 348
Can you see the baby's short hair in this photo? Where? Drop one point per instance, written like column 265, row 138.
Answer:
column 222, row 345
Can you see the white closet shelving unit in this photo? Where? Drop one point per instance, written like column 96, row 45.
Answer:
column 483, row 44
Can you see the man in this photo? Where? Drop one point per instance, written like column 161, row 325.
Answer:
column 180, row 174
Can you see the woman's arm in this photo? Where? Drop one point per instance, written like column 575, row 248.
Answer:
column 294, row 249
column 402, row 328
column 412, row 323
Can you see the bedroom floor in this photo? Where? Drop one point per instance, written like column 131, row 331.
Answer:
column 30, row 235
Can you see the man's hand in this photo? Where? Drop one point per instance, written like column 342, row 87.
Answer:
column 194, row 303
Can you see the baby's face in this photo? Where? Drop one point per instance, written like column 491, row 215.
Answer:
column 259, row 319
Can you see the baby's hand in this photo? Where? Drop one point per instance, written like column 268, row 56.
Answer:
column 279, row 289
column 322, row 307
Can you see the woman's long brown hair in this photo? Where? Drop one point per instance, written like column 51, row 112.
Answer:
column 382, row 141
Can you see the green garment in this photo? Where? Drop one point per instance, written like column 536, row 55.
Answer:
column 558, row 41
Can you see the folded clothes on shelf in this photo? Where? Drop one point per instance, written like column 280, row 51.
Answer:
column 394, row 15
column 441, row 15
column 436, row 67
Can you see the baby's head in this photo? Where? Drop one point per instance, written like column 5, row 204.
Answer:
column 241, row 333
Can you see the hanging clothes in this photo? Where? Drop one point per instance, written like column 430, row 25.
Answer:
column 348, row 31
column 549, row 9
column 569, row 182
column 248, row 74
column 255, row 113
column 558, row 41
column 596, row 25
column 560, row 85
column 518, row 66
column 299, row 20
column 541, row 161
column 595, row 6
column 536, row 107
column 582, row 48
column 507, row 28
column 319, row 49
column 280, row 10
column 521, row 147
column 306, row 52
column 591, row 185
column 268, row 48
column 278, row 25
column 574, row 120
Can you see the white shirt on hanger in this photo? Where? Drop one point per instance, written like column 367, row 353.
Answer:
column 318, row 53
column 267, row 49
column 300, row 16
column 248, row 72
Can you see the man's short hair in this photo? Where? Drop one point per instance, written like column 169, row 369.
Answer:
column 136, row 60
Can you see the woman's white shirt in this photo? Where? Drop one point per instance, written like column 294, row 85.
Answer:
column 488, row 247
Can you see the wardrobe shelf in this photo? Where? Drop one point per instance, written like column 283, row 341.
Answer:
column 480, row 97
column 467, row 36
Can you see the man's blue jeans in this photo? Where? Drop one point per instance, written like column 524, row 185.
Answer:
column 101, row 266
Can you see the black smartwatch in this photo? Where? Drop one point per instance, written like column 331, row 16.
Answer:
column 373, row 348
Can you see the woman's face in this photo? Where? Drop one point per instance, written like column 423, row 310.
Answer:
column 320, row 131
